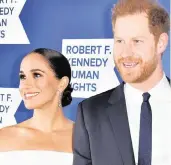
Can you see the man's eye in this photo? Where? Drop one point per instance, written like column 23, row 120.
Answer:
column 137, row 41
column 119, row 41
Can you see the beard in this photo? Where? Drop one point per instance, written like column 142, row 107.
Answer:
column 141, row 72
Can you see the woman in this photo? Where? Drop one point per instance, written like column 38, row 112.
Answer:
column 44, row 86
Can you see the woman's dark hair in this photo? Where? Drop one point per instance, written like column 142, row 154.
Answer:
column 60, row 67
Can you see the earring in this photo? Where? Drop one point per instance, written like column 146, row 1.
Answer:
column 60, row 98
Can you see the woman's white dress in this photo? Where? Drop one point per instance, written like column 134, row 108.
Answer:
column 35, row 157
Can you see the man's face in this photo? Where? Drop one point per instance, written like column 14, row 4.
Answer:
column 135, row 53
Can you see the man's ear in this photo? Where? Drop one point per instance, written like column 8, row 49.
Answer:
column 162, row 43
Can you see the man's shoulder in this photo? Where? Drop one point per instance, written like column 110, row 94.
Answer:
column 101, row 96
column 99, row 99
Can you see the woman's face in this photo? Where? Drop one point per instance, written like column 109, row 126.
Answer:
column 38, row 84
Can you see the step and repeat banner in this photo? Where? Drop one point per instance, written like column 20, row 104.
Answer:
column 81, row 30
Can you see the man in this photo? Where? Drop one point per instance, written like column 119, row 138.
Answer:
column 130, row 124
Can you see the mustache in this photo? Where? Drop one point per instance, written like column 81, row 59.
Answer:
column 130, row 59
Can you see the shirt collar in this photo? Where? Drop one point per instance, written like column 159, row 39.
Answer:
column 132, row 93
column 162, row 91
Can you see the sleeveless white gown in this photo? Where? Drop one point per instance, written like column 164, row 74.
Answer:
column 35, row 157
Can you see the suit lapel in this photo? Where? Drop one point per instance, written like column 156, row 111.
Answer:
column 117, row 114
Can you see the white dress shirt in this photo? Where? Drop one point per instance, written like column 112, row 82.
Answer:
column 160, row 102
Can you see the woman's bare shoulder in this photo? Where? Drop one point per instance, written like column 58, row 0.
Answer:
column 9, row 130
column 14, row 130
column 12, row 136
column 7, row 137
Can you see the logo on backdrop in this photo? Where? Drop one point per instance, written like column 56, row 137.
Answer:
column 92, row 65
column 10, row 100
column 11, row 29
